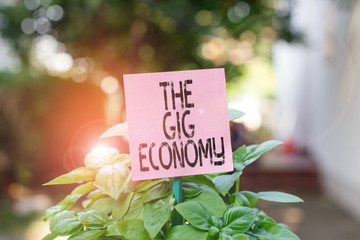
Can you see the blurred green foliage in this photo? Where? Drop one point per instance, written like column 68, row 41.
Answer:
column 11, row 222
column 133, row 36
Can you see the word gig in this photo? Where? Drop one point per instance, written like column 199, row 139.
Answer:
column 178, row 123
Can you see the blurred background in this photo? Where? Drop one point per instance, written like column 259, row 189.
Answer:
column 291, row 66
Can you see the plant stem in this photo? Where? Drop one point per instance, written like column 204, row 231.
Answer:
column 237, row 184
column 177, row 190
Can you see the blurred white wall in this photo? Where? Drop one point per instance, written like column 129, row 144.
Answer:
column 319, row 93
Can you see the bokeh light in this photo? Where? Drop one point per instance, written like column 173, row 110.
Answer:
column 146, row 53
column 219, row 50
column 109, row 84
column 31, row 4
column 28, row 25
column 55, row 12
column 50, row 55
column 238, row 12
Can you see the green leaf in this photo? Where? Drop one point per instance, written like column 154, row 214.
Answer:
column 228, row 231
column 255, row 151
column 239, row 158
column 268, row 219
column 157, row 213
column 49, row 237
column 224, row 182
column 240, row 236
column 77, row 175
column 107, row 238
column 200, row 179
column 209, row 198
column 272, row 231
column 120, row 129
column 251, row 197
column 239, row 199
column 185, row 232
column 279, row 197
column 195, row 214
column 105, row 155
column 88, row 235
column 104, row 205
column 136, row 207
column 122, row 205
column 97, row 194
column 251, row 237
column 69, row 201
column 239, row 219
column 50, row 212
column 190, row 189
column 146, row 185
column 217, row 222
column 62, row 224
column 213, row 233
column 224, row 236
column 84, row 188
column 76, row 194
column 261, row 213
column 234, row 114
column 112, row 179
column 86, row 203
column 283, row 225
column 158, row 191
column 93, row 219
column 212, row 175
column 244, row 156
column 131, row 229
column 113, row 230
column 244, row 198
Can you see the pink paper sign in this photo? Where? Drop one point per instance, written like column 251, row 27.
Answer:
column 178, row 123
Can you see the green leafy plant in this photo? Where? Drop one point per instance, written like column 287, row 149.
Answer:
column 114, row 207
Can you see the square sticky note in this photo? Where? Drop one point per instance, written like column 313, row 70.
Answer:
column 178, row 123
